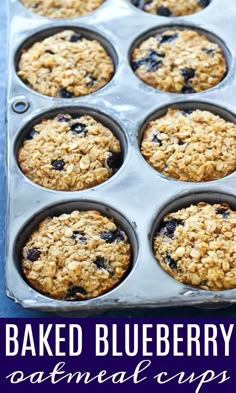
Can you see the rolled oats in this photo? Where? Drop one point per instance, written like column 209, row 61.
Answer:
column 65, row 65
column 69, row 154
column 179, row 61
column 62, row 8
column 209, row 257
column 191, row 146
column 86, row 264
column 171, row 7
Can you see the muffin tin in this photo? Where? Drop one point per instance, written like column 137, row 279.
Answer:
column 136, row 196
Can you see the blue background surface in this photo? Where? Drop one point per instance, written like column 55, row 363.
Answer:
column 7, row 306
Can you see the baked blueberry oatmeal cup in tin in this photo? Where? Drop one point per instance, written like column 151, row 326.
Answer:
column 69, row 152
column 179, row 61
column 76, row 256
column 194, row 145
column 62, row 8
column 170, row 8
column 65, row 64
column 196, row 246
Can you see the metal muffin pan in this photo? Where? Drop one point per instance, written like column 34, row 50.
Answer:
column 137, row 196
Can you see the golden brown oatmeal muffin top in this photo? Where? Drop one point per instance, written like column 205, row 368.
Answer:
column 179, row 61
column 197, row 246
column 66, row 65
column 62, row 8
column 76, row 256
column 70, row 153
column 169, row 8
column 190, row 145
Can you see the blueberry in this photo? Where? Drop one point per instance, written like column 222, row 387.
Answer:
column 155, row 139
column 188, row 73
column 31, row 135
column 223, row 212
column 169, row 226
column 63, row 118
column 33, row 254
column 75, row 37
column 154, row 65
column 78, row 128
column 167, row 38
column 171, row 262
column 58, row 165
column 111, row 237
column 64, row 93
column 49, row 51
column 114, row 161
column 188, row 90
column 83, row 238
column 209, row 52
column 100, row 263
column 74, row 291
column 136, row 64
column 151, row 62
column 79, row 236
column 204, row 3
column 164, row 11
column 186, row 112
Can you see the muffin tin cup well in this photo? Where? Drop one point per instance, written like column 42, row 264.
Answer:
column 186, row 201
column 67, row 208
column 212, row 37
column 99, row 116
column 138, row 192
column 88, row 33
column 185, row 105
